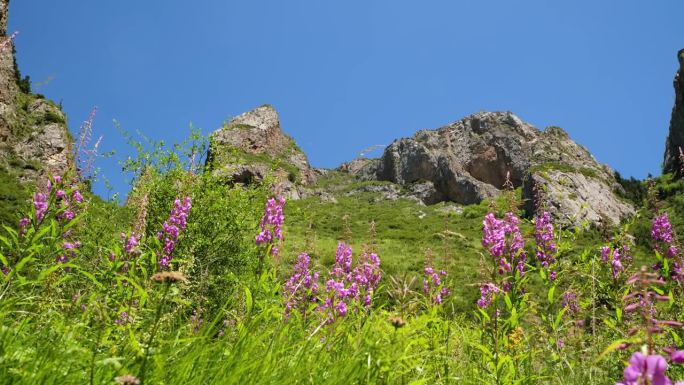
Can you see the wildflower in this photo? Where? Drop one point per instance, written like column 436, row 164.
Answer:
column 615, row 257
column 433, row 286
column 23, row 225
column 122, row 319
column 130, row 242
column 504, row 242
column 397, row 322
column 127, row 379
column 552, row 276
column 76, row 196
column 543, row 234
column 302, row 287
column 40, row 205
column 177, row 222
column 272, row 223
column 169, row 276
column 661, row 229
column 343, row 260
column 570, row 302
column 341, row 308
column 487, row 292
column 677, row 357
column 367, row 276
column 646, row 370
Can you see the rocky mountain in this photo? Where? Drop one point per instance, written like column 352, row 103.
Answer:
column 675, row 138
column 253, row 147
column 469, row 160
column 34, row 139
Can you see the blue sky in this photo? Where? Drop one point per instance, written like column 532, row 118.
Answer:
column 345, row 75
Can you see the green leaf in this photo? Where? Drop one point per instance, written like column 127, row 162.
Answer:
column 550, row 294
column 248, row 300
column 507, row 299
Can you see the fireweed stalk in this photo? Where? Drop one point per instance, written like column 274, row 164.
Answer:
column 171, row 229
column 301, row 289
column 664, row 242
column 546, row 246
column 271, row 230
column 504, row 242
column 434, row 285
column 500, row 319
column 647, row 366
column 617, row 257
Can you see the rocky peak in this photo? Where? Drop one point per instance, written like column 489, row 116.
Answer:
column 675, row 138
column 252, row 146
column 470, row 160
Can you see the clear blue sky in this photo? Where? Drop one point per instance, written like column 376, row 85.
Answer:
column 345, row 75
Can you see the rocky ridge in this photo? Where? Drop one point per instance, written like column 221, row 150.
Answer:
column 470, row 160
column 675, row 138
column 34, row 138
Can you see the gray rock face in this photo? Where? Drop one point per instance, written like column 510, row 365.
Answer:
column 253, row 146
column 675, row 138
column 34, row 138
column 469, row 160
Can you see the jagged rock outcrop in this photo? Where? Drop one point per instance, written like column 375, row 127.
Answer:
column 675, row 138
column 34, row 138
column 470, row 160
column 253, row 146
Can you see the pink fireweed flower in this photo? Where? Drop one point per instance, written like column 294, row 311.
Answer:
column 617, row 258
column 646, row 370
column 504, row 242
column 343, row 261
column 546, row 247
column 171, row 228
column 76, row 196
column 661, row 229
column 487, row 292
column 130, row 242
column 40, row 205
column 23, row 225
column 272, row 223
column 570, row 302
column 367, row 276
column 677, row 356
column 301, row 289
column 434, row 285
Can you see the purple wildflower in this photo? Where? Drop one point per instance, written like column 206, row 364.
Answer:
column 487, row 292
column 646, row 370
column 661, row 229
column 177, row 222
column 504, row 242
column 570, row 302
column 434, row 285
column 302, row 287
column 272, row 223
column 543, row 234
column 40, row 205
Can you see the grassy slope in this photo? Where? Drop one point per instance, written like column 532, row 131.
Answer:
column 406, row 229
